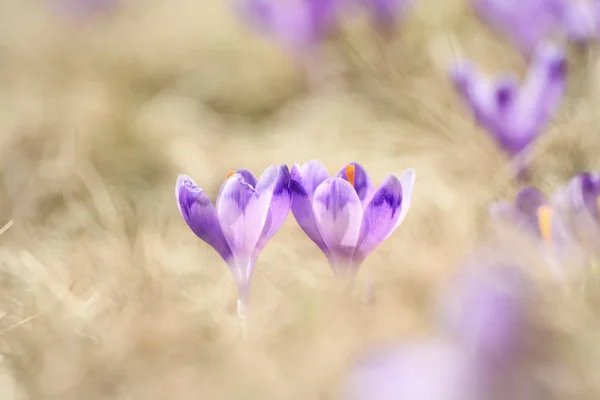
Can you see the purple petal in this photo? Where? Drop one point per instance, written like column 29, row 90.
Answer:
column 295, row 24
column 577, row 209
column 578, row 20
column 200, row 215
column 303, row 184
column 380, row 216
column 526, row 22
column 529, row 200
column 590, row 191
column 362, row 183
column 424, row 370
column 541, row 93
column 478, row 94
column 407, row 180
column 507, row 90
column 242, row 213
column 338, row 214
column 279, row 209
column 485, row 311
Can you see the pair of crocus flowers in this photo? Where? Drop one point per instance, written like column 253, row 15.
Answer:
column 568, row 223
column 344, row 215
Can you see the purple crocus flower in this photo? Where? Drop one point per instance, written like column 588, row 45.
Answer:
column 578, row 205
column 427, row 369
column 530, row 22
column 345, row 215
column 515, row 116
column 484, row 311
column 480, row 354
column 296, row 24
column 248, row 212
column 530, row 211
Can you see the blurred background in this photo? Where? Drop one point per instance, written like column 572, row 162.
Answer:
column 104, row 291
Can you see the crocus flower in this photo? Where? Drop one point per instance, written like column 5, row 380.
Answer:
column 530, row 211
column 345, row 215
column 248, row 212
column 484, row 310
column 529, row 22
column 296, row 24
column 426, row 369
column 578, row 205
column 515, row 116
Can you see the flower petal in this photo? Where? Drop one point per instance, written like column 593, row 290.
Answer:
column 407, row 180
column 541, row 93
column 338, row 214
column 200, row 215
column 242, row 213
column 303, row 183
column 360, row 180
column 380, row 216
column 279, row 209
column 478, row 93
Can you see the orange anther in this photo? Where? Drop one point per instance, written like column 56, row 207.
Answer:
column 229, row 174
column 350, row 170
column 544, row 214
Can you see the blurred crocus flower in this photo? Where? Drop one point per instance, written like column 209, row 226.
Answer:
column 529, row 22
column 578, row 204
column 296, row 24
column 426, row 369
column 479, row 355
column 484, row 311
column 515, row 116
column 345, row 215
column 248, row 212
column 530, row 211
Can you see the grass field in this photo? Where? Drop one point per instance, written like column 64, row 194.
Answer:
column 106, row 294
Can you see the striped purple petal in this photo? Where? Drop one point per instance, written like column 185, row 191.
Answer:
column 200, row 215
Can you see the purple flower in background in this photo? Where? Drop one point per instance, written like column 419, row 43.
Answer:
column 515, row 116
column 296, row 24
column 484, row 311
column 529, row 22
column 420, row 370
column 481, row 354
column 248, row 213
column 345, row 215
column 578, row 204
column 530, row 211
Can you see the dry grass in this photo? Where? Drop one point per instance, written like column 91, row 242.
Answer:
column 106, row 294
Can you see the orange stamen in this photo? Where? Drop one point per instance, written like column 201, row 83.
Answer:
column 544, row 214
column 229, row 174
column 350, row 170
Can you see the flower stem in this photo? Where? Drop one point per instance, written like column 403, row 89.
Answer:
column 242, row 311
